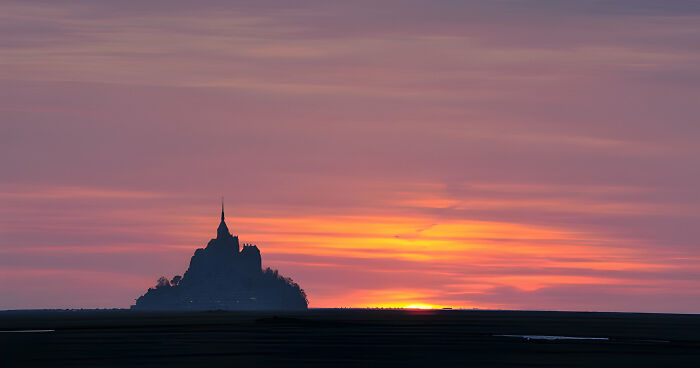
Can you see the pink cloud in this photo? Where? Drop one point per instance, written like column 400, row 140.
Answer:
column 452, row 153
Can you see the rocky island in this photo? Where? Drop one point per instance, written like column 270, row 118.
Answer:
column 224, row 277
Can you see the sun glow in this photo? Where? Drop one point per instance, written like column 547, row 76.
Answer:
column 422, row 306
column 383, row 260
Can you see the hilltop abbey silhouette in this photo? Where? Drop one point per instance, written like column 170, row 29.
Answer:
column 224, row 277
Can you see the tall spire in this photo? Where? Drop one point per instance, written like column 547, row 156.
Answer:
column 222, row 232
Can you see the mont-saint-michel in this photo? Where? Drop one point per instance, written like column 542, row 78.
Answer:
column 223, row 276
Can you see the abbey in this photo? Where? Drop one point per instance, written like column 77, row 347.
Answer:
column 223, row 256
column 224, row 276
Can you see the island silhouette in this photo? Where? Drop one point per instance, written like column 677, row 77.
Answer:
column 224, row 277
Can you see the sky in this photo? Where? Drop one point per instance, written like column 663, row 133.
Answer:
column 498, row 154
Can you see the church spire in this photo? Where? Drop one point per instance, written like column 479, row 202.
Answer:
column 222, row 232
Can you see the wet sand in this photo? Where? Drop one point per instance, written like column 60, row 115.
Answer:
column 356, row 338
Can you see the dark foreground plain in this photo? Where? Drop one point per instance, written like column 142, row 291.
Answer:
column 346, row 337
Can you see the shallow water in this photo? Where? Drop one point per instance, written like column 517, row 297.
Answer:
column 549, row 337
column 26, row 331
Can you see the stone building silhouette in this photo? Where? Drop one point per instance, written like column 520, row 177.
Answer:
column 223, row 276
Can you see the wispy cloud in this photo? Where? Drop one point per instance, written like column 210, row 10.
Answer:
column 510, row 154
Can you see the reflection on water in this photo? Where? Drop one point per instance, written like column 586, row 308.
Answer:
column 29, row 331
column 547, row 337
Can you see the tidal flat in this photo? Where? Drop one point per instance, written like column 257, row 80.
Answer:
column 347, row 338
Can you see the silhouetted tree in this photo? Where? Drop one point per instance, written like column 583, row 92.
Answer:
column 162, row 282
column 176, row 280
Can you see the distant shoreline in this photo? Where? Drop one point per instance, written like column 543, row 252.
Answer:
column 342, row 309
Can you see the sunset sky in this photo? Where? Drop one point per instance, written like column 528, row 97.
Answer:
column 471, row 154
